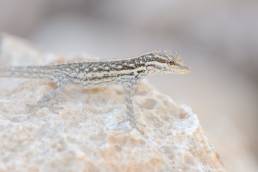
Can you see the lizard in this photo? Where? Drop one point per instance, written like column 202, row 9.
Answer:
column 126, row 72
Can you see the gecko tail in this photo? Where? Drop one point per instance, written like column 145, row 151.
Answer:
column 6, row 72
column 24, row 72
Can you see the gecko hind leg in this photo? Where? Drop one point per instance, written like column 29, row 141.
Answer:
column 49, row 99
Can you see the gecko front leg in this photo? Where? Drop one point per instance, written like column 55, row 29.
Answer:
column 130, row 88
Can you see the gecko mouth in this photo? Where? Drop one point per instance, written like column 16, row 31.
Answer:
column 182, row 70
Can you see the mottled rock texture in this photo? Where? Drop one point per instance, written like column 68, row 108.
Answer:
column 86, row 130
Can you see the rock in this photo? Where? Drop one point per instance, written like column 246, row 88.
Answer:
column 86, row 130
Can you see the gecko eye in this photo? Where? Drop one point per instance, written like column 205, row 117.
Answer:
column 172, row 62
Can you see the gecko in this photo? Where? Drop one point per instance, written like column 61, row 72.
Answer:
column 125, row 72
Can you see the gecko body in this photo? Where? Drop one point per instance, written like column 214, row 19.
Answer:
column 126, row 72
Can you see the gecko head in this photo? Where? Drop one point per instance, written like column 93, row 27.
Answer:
column 168, row 63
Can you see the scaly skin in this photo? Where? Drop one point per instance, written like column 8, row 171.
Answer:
column 126, row 72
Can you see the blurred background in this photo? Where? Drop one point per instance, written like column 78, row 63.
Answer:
column 217, row 39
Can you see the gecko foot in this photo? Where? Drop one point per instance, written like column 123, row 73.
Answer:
column 131, row 123
column 49, row 101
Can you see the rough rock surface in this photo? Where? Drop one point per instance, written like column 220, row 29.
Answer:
column 86, row 130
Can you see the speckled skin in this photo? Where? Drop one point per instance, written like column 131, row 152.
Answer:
column 102, row 72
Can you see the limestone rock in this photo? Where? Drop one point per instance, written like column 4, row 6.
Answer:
column 86, row 130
